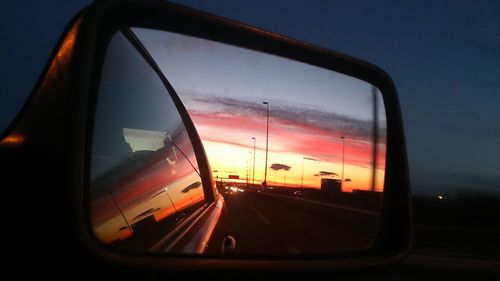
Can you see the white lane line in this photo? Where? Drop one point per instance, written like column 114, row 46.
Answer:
column 259, row 214
column 355, row 210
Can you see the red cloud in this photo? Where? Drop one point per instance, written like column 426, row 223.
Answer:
column 285, row 135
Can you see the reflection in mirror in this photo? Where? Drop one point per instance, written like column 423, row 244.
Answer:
column 297, row 151
column 144, row 179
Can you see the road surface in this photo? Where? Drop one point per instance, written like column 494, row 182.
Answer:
column 267, row 224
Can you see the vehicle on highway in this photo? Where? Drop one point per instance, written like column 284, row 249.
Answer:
column 113, row 154
column 232, row 189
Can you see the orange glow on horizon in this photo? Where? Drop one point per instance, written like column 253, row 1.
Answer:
column 230, row 152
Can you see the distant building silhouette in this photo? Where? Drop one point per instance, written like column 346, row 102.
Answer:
column 330, row 186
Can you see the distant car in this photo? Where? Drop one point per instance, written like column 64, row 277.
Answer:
column 297, row 193
column 233, row 189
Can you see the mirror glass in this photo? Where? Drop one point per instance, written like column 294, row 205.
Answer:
column 296, row 151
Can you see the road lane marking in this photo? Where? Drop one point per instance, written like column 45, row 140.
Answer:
column 259, row 214
column 354, row 210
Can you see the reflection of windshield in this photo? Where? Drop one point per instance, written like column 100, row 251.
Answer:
column 140, row 139
column 136, row 142
column 144, row 176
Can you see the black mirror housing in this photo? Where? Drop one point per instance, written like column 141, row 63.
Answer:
column 48, row 143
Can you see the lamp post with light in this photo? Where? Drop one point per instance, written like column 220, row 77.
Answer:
column 342, row 182
column 267, row 142
column 253, row 171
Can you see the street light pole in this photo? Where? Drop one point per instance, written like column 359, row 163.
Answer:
column 253, row 171
column 302, row 178
column 248, row 173
column 342, row 182
column 375, row 137
column 267, row 142
column 121, row 212
column 249, row 169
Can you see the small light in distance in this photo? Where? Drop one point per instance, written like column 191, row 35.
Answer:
column 440, row 197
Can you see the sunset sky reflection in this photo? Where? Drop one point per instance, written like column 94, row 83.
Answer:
column 311, row 108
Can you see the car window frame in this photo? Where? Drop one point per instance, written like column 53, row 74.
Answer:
column 201, row 158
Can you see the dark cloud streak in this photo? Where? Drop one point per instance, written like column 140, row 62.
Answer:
column 277, row 167
column 326, row 173
column 345, row 125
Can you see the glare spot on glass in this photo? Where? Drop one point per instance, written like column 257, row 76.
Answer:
column 13, row 140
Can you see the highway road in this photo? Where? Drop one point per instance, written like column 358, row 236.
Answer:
column 268, row 224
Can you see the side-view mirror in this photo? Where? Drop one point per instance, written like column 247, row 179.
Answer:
column 168, row 139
